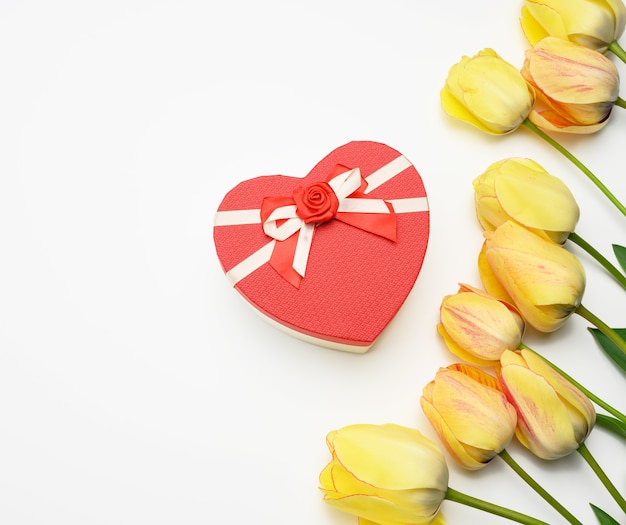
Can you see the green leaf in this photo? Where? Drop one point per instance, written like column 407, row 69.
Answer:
column 603, row 517
column 611, row 424
column 620, row 254
column 610, row 348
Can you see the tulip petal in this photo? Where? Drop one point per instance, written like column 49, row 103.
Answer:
column 522, row 286
column 512, row 358
column 549, row 120
column 585, row 19
column 459, row 351
column 477, row 375
column 455, row 448
column 453, row 107
column 344, row 482
column 582, row 412
column 591, row 77
column 439, row 520
column 405, row 458
column 326, row 479
column 539, row 21
column 544, row 283
column 383, row 506
column 543, row 421
column 489, row 279
column 521, row 190
column 380, row 510
column 517, row 194
column 589, row 23
column 619, row 9
column 491, row 213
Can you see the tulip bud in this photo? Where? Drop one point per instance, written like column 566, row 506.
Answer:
column 553, row 416
column 543, row 279
column 384, row 474
column 521, row 190
column 590, row 23
column 488, row 92
column 470, row 413
column 576, row 87
column 477, row 327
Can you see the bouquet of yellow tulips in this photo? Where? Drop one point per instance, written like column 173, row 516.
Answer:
column 502, row 389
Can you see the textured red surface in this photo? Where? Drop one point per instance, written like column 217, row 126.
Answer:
column 355, row 281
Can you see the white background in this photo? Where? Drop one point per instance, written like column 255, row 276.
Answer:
column 136, row 386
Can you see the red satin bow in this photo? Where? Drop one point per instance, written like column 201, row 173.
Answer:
column 382, row 223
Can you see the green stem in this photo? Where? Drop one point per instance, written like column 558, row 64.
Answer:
column 527, row 123
column 584, row 452
column 617, row 50
column 619, row 276
column 620, row 102
column 590, row 395
column 602, row 326
column 471, row 501
column 538, row 488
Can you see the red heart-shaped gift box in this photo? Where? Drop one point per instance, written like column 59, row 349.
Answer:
column 330, row 257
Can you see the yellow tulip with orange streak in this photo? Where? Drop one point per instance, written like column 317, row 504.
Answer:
column 470, row 413
column 478, row 327
column 553, row 416
column 576, row 87
column 542, row 279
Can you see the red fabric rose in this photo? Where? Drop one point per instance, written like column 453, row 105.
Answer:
column 316, row 202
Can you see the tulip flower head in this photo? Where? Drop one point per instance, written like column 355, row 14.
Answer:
column 576, row 87
column 488, row 92
column 553, row 416
column 543, row 279
column 521, row 190
column 385, row 474
column 478, row 327
column 590, row 23
column 470, row 413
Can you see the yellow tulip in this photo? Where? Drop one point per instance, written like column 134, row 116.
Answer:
column 470, row 413
column 488, row 92
column 553, row 416
column 477, row 327
column 521, row 190
column 590, row 23
column 576, row 87
column 385, row 474
column 543, row 279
